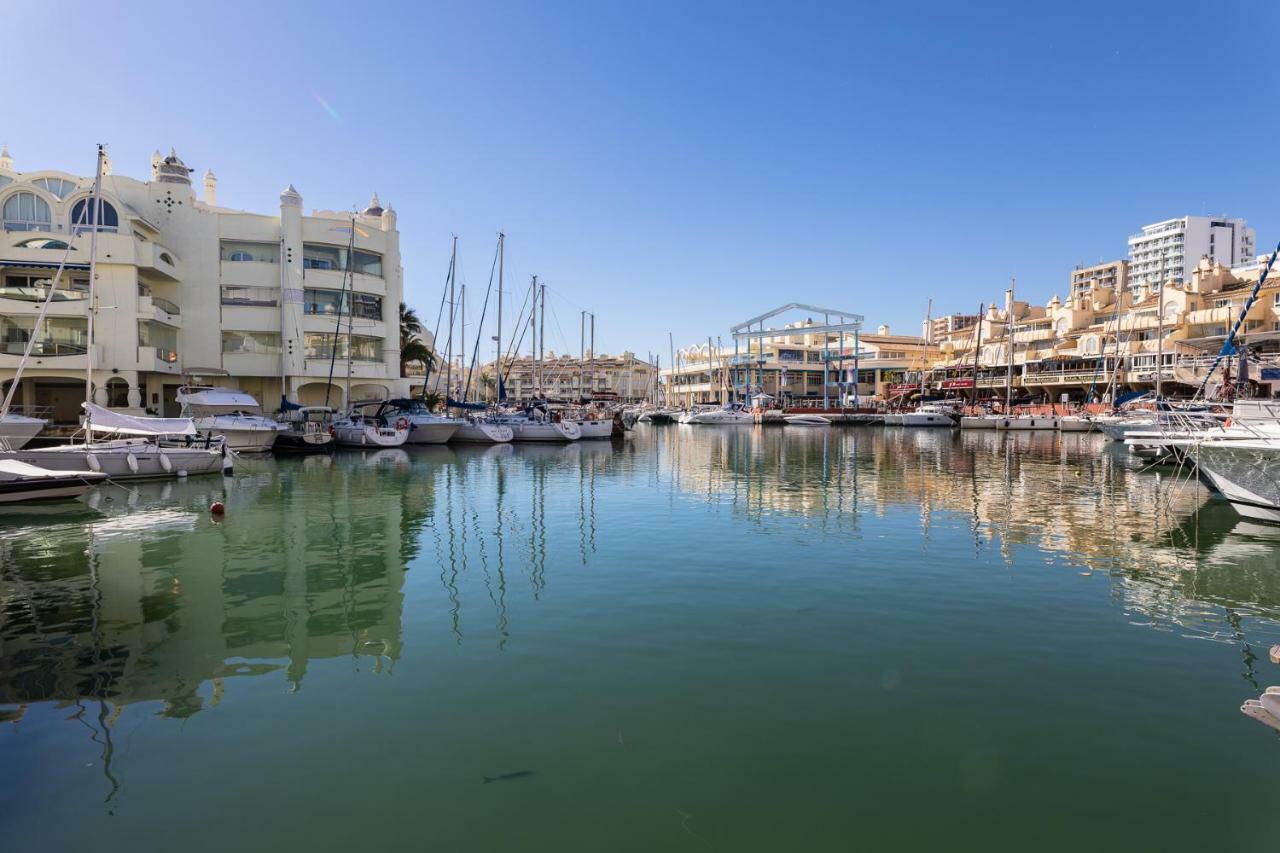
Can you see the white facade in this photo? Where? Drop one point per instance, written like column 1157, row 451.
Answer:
column 185, row 286
column 1169, row 251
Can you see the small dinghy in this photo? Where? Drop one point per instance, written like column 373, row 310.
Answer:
column 21, row 481
column 807, row 420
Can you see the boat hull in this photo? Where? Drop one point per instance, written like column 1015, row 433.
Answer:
column 554, row 432
column 369, row 435
column 127, row 460
column 291, row 442
column 1075, row 423
column 807, row 420
column 1247, row 475
column 17, row 430
column 1027, row 422
column 926, row 419
column 595, row 429
column 438, row 432
column 242, row 439
column 483, row 433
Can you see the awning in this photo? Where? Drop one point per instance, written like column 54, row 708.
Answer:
column 41, row 265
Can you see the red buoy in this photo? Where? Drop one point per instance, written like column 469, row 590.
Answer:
column 217, row 508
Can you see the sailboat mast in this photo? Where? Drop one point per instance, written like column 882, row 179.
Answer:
column 977, row 348
column 671, row 365
column 93, row 281
column 497, row 388
column 448, row 352
column 464, row 369
column 928, row 339
column 542, row 338
column 351, row 317
column 1008, row 379
column 582, row 349
column 1160, row 345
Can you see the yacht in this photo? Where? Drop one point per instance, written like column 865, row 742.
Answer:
column 731, row 413
column 21, row 482
column 425, row 427
column 538, row 426
column 365, row 424
column 231, row 414
column 807, row 420
column 929, row 415
column 483, row 431
column 1245, row 471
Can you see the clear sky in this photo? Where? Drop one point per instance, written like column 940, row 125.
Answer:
column 683, row 166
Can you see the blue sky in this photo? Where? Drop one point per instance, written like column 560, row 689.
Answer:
column 682, row 166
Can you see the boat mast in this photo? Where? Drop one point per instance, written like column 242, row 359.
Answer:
column 1009, row 329
column 582, row 349
column 93, row 307
column 448, row 352
column 1159, row 345
column 351, row 317
column 542, row 338
column 497, row 388
column 977, row 351
column 464, row 369
column 671, row 365
column 928, row 339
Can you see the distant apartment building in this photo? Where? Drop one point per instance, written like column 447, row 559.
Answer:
column 937, row 328
column 1169, row 250
column 566, row 377
column 1112, row 275
column 185, row 286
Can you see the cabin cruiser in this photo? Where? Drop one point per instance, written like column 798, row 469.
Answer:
column 1179, row 434
column 425, row 427
column 22, row 481
column 366, row 424
column 307, row 429
column 132, row 448
column 807, row 420
column 929, row 415
column 1245, row 471
column 731, row 413
column 232, row 414
column 16, row 430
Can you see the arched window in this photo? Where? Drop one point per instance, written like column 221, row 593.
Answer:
column 164, row 256
column 58, row 186
column 43, row 243
column 82, row 221
column 240, row 255
column 26, row 212
column 1091, row 346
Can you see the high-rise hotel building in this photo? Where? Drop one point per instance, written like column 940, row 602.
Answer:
column 1168, row 251
column 185, row 287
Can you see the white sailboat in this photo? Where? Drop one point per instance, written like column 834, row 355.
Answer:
column 365, row 425
column 730, row 413
column 21, row 482
column 16, row 430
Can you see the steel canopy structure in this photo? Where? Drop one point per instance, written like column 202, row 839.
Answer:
column 849, row 322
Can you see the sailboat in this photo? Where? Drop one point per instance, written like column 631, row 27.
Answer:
column 1010, row 421
column 124, row 446
column 479, row 427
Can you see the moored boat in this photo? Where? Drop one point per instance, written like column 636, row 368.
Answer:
column 234, row 415
column 365, row 425
column 307, row 429
column 21, row 482
column 16, row 430
column 807, row 420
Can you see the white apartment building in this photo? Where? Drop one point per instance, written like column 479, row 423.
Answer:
column 1170, row 250
column 187, row 287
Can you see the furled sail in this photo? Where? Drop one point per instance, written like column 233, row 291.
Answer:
column 106, row 421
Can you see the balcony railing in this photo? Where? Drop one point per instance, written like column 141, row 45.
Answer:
column 165, row 305
column 44, row 348
column 39, row 294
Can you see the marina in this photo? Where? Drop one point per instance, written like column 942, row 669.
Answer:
column 698, row 621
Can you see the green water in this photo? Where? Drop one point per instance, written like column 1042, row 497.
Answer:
column 708, row 638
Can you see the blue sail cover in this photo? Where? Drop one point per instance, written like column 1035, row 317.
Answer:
column 286, row 406
column 475, row 407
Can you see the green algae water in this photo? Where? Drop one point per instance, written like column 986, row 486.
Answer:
column 737, row 638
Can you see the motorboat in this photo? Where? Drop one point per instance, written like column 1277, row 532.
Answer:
column 1178, row 434
column 132, row 448
column 1028, row 422
column 21, row 482
column 425, row 426
column 731, row 413
column 307, row 429
column 1118, row 427
column 483, row 431
column 1245, row 472
column 365, row 425
column 929, row 415
column 234, row 415
column 16, row 430
column 807, row 420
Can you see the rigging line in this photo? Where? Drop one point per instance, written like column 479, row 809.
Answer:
column 515, row 342
column 1228, row 346
column 475, row 350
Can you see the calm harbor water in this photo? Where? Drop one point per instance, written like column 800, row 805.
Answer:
column 707, row 638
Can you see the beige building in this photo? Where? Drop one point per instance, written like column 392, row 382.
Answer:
column 623, row 377
column 186, row 286
column 1109, row 327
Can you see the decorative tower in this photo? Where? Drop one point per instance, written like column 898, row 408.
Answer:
column 172, row 170
column 374, row 208
column 156, row 159
column 292, row 361
column 210, row 188
column 6, row 162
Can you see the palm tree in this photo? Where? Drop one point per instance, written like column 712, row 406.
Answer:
column 487, row 382
column 411, row 346
column 431, row 400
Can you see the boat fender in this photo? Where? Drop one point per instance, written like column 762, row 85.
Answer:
column 94, row 464
column 402, row 423
column 133, row 462
column 165, row 462
column 1227, row 423
column 217, row 508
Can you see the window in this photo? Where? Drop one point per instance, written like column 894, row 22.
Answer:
column 57, row 186
column 27, row 212
column 321, row 345
column 34, row 288
column 318, row 256
column 251, row 343
column 330, row 303
column 239, row 251
column 164, row 339
column 164, row 256
column 58, row 336
column 43, row 243
column 84, row 215
column 257, row 297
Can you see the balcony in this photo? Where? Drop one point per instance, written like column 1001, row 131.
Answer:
column 158, row 360
column 333, row 280
column 160, row 310
column 319, row 366
column 48, row 354
column 29, row 300
column 156, row 261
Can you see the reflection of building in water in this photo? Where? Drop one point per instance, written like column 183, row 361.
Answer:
column 150, row 605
